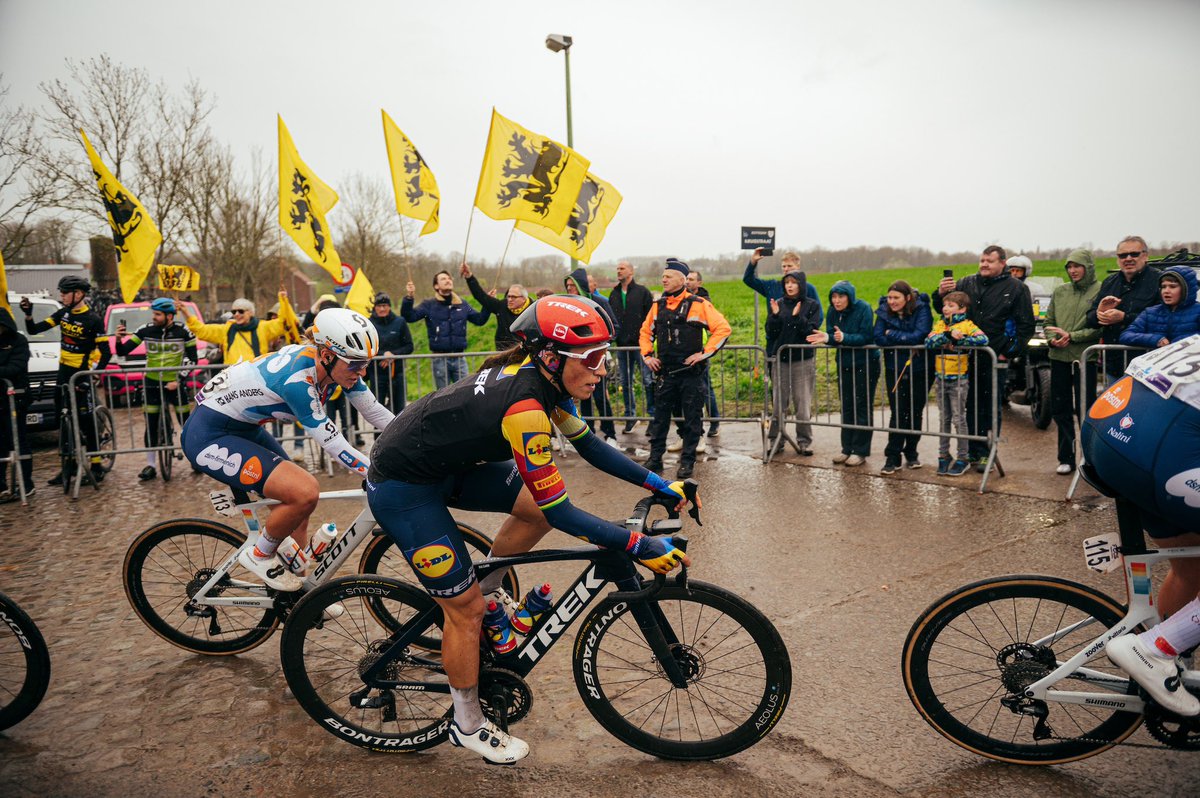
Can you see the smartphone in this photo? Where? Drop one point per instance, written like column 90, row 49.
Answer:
column 766, row 253
column 947, row 273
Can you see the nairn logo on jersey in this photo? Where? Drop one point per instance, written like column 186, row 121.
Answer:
column 1126, row 421
column 537, row 448
column 435, row 560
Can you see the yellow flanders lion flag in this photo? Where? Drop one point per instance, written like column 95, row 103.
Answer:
column 4, row 288
column 178, row 278
column 417, row 194
column 291, row 323
column 303, row 202
column 527, row 177
column 594, row 208
column 134, row 234
column 361, row 296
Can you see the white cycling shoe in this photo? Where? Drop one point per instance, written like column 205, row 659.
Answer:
column 488, row 741
column 1158, row 675
column 274, row 572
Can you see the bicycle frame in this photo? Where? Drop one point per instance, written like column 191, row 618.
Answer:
column 605, row 566
column 1142, row 610
column 342, row 548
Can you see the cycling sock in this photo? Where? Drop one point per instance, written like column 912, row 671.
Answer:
column 467, row 712
column 492, row 581
column 150, row 458
column 266, row 546
column 1178, row 633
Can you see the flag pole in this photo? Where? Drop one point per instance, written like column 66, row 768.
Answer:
column 500, row 268
column 407, row 257
column 470, row 221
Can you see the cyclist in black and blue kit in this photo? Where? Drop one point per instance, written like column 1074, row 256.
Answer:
column 483, row 444
column 1142, row 437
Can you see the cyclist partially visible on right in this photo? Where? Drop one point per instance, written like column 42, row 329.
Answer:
column 171, row 345
column 1142, row 438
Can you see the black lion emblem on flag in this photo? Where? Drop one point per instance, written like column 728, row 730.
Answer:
column 301, row 212
column 533, row 173
column 412, row 167
column 126, row 218
column 587, row 205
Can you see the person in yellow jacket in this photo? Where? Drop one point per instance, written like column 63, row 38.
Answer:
column 243, row 338
column 678, row 335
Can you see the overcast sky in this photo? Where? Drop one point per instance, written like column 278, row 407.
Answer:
column 943, row 124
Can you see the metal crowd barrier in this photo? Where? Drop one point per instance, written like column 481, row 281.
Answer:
column 829, row 403
column 1110, row 361
column 11, row 459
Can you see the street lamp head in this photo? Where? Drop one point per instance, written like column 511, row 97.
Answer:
column 558, row 42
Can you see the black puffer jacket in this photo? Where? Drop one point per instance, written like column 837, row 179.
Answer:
column 14, row 355
column 995, row 300
column 630, row 306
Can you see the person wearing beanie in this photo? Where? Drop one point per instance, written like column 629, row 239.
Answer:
column 674, row 347
column 386, row 377
column 1068, row 334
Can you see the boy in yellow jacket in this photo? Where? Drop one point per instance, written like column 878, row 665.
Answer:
column 952, row 331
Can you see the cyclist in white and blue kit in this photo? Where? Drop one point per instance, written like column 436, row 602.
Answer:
column 226, row 438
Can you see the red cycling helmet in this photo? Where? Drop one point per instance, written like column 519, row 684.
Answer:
column 561, row 322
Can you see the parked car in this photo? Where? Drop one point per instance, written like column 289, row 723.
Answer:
column 43, row 361
column 127, row 389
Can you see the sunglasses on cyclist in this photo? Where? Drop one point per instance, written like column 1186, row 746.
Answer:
column 356, row 365
column 592, row 358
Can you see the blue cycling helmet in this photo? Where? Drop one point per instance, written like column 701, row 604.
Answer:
column 164, row 304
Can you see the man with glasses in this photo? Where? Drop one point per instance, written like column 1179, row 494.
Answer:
column 631, row 303
column 244, row 337
column 1123, row 296
column 673, row 345
column 506, row 310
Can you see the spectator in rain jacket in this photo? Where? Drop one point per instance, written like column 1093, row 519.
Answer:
column 904, row 320
column 1068, row 334
column 1177, row 317
column 847, row 327
column 793, row 318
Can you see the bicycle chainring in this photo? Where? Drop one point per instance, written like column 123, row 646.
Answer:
column 517, row 695
column 1172, row 730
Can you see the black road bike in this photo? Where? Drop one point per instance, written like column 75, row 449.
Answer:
column 680, row 669
column 24, row 664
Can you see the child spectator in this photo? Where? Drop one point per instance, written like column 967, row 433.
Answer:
column 952, row 331
column 1177, row 317
column 904, row 320
column 793, row 318
column 848, row 327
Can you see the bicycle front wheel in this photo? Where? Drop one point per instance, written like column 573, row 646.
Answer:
column 165, row 567
column 166, row 437
column 24, row 664
column 106, row 437
column 989, row 640
column 738, row 672
column 324, row 658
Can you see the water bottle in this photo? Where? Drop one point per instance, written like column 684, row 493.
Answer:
column 320, row 541
column 499, row 629
column 536, row 602
column 295, row 557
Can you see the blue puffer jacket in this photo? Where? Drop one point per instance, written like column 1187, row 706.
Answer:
column 892, row 329
column 445, row 321
column 1161, row 321
column 855, row 324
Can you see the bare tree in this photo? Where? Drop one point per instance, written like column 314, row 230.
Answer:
column 154, row 142
column 370, row 234
column 24, row 191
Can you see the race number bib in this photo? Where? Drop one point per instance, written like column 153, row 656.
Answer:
column 1171, row 370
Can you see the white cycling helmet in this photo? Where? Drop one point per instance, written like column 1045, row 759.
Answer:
column 347, row 334
column 1021, row 262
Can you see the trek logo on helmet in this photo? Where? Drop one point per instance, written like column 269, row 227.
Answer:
column 574, row 309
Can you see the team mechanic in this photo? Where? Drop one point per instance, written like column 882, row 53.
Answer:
column 171, row 345
column 225, row 436
column 82, row 333
column 465, row 445
column 1142, row 437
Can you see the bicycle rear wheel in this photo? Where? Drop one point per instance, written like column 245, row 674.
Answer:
column 323, row 659
column 24, row 664
column 106, row 437
column 987, row 641
column 66, row 450
column 166, row 437
column 164, row 568
column 738, row 672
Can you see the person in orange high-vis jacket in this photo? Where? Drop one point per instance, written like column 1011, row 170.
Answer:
column 677, row 337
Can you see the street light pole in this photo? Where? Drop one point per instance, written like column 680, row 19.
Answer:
column 557, row 42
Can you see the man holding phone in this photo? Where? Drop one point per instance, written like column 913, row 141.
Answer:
column 996, row 298
column 1123, row 296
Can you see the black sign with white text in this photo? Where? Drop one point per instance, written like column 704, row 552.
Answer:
column 755, row 237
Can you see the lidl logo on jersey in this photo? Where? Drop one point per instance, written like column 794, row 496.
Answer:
column 435, row 560
column 537, row 448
